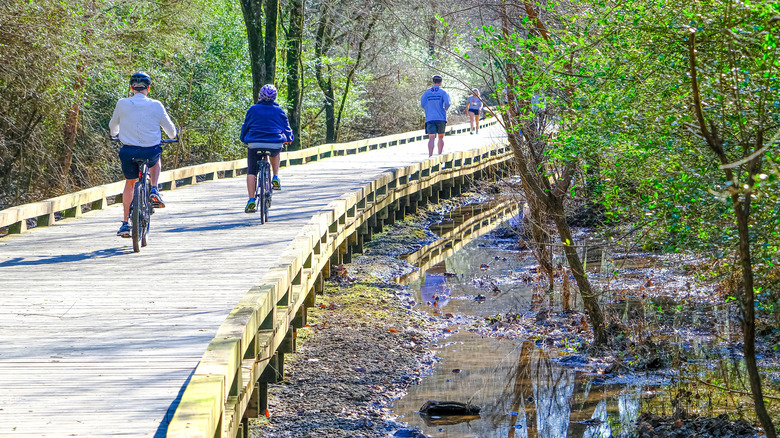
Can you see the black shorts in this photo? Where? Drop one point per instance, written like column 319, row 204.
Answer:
column 253, row 155
column 435, row 127
column 475, row 111
column 128, row 153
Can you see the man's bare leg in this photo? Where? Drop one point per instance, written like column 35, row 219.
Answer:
column 154, row 173
column 430, row 144
column 441, row 144
column 127, row 197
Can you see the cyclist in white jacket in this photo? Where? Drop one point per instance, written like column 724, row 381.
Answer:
column 137, row 121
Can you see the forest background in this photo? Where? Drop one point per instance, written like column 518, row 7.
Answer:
column 63, row 66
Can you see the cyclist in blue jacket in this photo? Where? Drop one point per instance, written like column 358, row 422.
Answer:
column 265, row 127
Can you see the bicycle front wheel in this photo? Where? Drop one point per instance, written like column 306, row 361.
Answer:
column 136, row 216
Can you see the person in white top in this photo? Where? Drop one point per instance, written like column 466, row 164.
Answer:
column 473, row 106
column 137, row 121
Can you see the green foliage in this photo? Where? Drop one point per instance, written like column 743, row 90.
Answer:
column 57, row 55
column 679, row 186
column 615, row 79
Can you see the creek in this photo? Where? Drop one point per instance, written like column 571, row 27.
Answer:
column 525, row 390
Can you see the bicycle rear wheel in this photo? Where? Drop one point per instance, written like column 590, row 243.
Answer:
column 136, row 215
column 146, row 210
column 260, row 193
column 268, row 190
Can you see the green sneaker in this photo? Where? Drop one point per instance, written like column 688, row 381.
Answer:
column 277, row 185
column 250, row 206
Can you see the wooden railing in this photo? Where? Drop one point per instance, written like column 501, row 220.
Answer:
column 15, row 220
column 247, row 353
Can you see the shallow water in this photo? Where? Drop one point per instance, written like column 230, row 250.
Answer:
column 521, row 392
column 457, row 285
column 524, row 392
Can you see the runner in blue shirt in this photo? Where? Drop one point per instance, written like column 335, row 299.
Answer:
column 435, row 102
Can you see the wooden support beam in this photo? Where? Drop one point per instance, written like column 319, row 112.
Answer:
column 289, row 342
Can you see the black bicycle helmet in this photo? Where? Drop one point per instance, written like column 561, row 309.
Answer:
column 140, row 80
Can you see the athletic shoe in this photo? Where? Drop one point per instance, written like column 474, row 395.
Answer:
column 124, row 230
column 250, row 206
column 157, row 201
column 471, row 132
column 277, row 185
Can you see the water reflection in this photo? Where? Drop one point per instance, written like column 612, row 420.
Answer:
column 460, row 285
column 522, row 392
column 435, row 289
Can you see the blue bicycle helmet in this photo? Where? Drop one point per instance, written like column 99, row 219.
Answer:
column 268, row 92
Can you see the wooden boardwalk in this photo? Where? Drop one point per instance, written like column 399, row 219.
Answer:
column 96, row 340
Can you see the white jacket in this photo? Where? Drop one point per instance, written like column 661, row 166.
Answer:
column 138, row 119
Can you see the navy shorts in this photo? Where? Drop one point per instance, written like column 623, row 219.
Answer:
column 253, row 155
column 435, row 127
column 127, row 154
column 475, row 111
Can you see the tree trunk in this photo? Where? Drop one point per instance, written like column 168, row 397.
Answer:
column 352, row 71
column 538, row 231
column 749, row 314
column 431, row 25
column 69, row 136
column 271, row 38
column 528, row 146
column 294, row 69
column 589, row 298
column 322, row 44
column 331, row 135
column 742, row 213
column 253, row 20
column 71, row 127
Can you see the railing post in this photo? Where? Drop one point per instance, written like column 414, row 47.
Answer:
column 18, row 227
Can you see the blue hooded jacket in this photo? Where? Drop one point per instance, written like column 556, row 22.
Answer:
column 266, row 122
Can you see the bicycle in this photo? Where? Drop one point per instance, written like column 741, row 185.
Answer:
column 141, row 208
column 263, row 189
